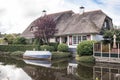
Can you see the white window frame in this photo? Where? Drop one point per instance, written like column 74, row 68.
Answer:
column 73, row 39
column 77, row 39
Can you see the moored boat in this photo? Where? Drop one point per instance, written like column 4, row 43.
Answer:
column 37, row 55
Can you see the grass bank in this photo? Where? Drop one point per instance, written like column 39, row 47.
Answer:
column 86, row 59
column 55, row 55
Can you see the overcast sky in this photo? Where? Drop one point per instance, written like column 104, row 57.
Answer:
column 16, row 15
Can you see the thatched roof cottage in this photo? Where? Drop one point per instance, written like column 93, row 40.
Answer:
column 75, row 27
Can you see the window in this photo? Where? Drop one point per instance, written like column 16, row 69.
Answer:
column 74, row 39
column 84, row 38
column 105, row 25
column 33, row 28
column 79, row 39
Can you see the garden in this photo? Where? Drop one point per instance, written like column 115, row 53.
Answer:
column 18, row 45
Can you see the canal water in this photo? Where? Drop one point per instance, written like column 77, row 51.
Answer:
column 62, row 69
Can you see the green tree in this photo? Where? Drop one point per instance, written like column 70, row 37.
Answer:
column 20, row 40
column 10, row 38
column 108, row 35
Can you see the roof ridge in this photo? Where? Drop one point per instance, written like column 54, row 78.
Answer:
column 93, row 10
column 61, row 12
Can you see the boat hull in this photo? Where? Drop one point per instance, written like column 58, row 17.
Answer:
column 37, row 55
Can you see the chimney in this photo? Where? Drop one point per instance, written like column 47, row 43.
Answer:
column 82, row 9
column 43, row 12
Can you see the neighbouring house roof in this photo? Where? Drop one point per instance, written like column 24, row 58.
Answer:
column 69, row 22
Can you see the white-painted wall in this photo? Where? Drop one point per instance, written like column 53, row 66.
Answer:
column 72, row 46
column 92, row 36
column 97, row 37
column 52, row 40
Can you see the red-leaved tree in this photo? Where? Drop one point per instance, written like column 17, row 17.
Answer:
column 44, row 28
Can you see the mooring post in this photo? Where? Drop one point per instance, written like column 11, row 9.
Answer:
column 118, row 51
column 101, row 73
column 93, row 73
column 109, row 74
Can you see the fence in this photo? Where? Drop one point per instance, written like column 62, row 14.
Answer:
column 106, row 50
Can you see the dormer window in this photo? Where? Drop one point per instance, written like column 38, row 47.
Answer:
column 33, row 28
column 105, row 25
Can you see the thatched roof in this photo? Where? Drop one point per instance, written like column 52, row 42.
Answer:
column 70, row 23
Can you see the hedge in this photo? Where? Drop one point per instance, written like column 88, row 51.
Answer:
column 55, row 45
column 12, row 48
column 57, row 55
column 47, row 47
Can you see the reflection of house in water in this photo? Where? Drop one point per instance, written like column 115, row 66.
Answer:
column 106, row 71
column 43, row 73
column 43, row 70
column 72, row 67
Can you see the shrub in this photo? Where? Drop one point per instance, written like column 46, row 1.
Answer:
column 55, row 45
column 12, row 48
column 47, row 47
column 62, row 48
column 85, row 48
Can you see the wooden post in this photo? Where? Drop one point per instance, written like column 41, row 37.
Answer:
column 93, row 73
column 109, row 51
column 93, row 50
column 60, row 40
column 68, row 40
column 118, row 51
column 101, row 73
column 118, row 72
column 109, row 74
column 101, row 49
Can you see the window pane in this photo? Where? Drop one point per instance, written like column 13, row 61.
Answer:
column 84, row 38
column 74, row 39
column 79, row 39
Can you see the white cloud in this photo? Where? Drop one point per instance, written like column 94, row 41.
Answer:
column 16, row 15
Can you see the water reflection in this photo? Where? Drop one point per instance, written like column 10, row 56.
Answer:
column 85, row 71
column 44, row 63
column 72, row 67
column 62, row 69
column 10, row 72
column 106, row 71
